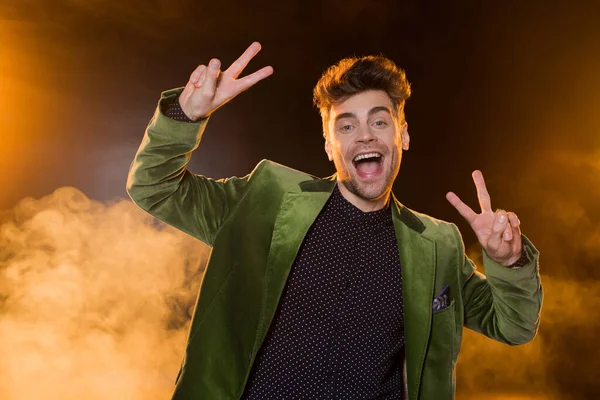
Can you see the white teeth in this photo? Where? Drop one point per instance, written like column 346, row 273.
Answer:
column 368, row 155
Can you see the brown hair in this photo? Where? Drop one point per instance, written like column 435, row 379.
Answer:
column 354, row 75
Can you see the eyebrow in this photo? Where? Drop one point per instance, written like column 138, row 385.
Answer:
column 372, row 111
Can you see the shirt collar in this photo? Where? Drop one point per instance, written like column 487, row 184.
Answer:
column 349, row 211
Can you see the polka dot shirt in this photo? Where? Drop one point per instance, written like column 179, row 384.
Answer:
column 172, row 109
column 339, row 331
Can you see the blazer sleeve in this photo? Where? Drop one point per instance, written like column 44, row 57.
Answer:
column 160, row 183
column 504, row 304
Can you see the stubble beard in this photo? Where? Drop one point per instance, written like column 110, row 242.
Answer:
column 378, row 189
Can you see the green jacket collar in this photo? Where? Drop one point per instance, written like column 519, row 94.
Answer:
column 402, row 213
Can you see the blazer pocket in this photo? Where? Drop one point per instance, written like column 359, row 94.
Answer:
column 438, row 360
column 443, row 335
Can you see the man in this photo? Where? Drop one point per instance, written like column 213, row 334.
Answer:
column 329, row 288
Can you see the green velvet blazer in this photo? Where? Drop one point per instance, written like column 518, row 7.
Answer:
column 255, row 226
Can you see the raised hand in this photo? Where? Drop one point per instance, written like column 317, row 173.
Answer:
column 498, row 232
column 209, row 88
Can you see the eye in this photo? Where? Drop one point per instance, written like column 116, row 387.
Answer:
column 380, row 123
column 346, row 128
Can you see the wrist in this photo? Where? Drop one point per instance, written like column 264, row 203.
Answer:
column 519, row 262
column 176, row 112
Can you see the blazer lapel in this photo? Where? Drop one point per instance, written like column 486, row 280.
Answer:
column 297, row 213
column 417, row 258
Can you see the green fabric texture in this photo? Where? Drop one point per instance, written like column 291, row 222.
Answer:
column 256, row 224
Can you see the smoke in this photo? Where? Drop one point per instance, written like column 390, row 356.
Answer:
column 558, row 364
column 95, row 299
column 556, row 196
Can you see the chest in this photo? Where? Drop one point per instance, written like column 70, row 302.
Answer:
column 351, row 262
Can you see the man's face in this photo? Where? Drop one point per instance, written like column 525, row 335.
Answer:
column 365, row 140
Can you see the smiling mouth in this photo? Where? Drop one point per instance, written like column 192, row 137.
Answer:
column 368, row 165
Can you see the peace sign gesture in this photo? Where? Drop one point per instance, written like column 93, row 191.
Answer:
column 208, row 88
column 498, row 232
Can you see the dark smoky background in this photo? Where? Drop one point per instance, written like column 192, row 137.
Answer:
column 96, row 296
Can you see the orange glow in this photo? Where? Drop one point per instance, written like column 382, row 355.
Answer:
column 10, row 80
column 16, row 100
column 28, row 98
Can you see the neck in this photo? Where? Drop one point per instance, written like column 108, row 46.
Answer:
column 365, row 205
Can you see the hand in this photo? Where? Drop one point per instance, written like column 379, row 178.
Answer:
column 208, row 88
column 498, row 232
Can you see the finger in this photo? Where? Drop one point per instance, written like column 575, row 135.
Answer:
column 201, row 79
column 507, row 235
column 209, row 84
column 238, row 65
column 482, row 193
column 517, row 243
column 516, row 230
column 461, row 207
column 514, row 220
column 194, row 82
column 250, row 80
column 499, row 226
column 197, row 74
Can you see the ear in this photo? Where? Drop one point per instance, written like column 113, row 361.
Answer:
column 405, row 136
column 328, row 149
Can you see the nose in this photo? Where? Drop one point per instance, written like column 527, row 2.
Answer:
column 366, row 135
